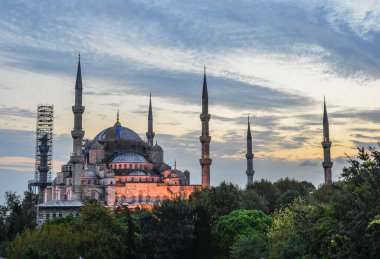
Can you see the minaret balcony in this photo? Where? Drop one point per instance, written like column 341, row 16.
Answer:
column 205, row 139
column 249, row 156
column 205, row 161
column 326, row 144
column 327, row 164
column 205, row 117
column 250, row 172
column 78, row 109
column 77, row 134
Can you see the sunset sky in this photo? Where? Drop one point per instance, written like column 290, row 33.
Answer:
column 272, row 60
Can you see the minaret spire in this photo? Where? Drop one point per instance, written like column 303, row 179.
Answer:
column 326, row 144
column 250, row 172
column 205, row 139
column 77, row 134
column 150, row 134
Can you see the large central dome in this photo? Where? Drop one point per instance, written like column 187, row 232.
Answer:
column 117, row 132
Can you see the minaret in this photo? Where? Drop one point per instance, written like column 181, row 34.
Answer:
column 77, row 134
column 150, row 134
column 326, row 144
column 43, row 169
column 205, row 139
column 250, row 172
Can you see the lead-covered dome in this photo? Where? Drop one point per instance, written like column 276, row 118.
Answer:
column 117, row 132
column 129, row 157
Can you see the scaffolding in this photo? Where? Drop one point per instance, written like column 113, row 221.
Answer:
column 45, row 118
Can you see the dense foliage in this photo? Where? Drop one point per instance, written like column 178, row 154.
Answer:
column 284, row 219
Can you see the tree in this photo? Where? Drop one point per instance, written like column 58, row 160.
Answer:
column 168, row 232
column 250, row 247
column 357, row 205
column 267, row 191
column 286, row 184
column 209, row 205
column 240, row 223
column 16, row 215
column 326, row 193
column 251, row 200
column 286, row 198
column 96, row 233
column 291, row 231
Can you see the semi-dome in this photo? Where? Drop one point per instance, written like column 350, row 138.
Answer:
column 157, row 148
column 117, row 132
column 129, row 157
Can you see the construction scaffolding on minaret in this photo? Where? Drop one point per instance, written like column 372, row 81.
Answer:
column 44, row 150
column 45, row 119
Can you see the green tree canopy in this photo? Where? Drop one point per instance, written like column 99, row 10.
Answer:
column 240, row 223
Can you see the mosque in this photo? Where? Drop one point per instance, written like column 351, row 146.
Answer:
column 118, row 167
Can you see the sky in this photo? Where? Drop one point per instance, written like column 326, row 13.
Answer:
column 273, row 60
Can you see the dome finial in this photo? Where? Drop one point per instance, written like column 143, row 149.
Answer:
column 175, row 164
column 117, row 119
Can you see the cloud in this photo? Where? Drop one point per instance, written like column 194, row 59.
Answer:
column 309, row 163
column 16, row 112
column 268, row 59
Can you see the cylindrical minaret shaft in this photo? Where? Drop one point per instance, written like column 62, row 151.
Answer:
column 77, row 134
column 43, row 168
column 150, row 134
column 205, row 139
column 326, row 144
column 250, row 172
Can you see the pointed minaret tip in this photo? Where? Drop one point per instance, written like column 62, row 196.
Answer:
column 78, row 83
column 205, row 91
column 249, row 136
column 325, row 117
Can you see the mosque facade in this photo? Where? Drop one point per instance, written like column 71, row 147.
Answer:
column 118, row 167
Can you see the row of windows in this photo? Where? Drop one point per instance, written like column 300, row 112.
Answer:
column 139, row 179
column 54, row 215
column 141, row 198
column 129, row 166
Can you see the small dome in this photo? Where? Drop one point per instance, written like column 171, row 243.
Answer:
column 90, row 174
column 157, row 148
column 97, row 146
column 129, row 157
column 117, row 132
column 177, row 173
